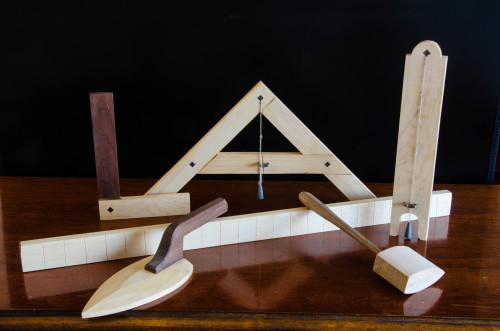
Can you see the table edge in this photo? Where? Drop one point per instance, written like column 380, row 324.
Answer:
column 133, row 320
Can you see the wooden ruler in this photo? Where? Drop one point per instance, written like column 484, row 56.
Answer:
column 57, row 252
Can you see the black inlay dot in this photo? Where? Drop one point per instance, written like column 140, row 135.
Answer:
column 192, row 164
column 260, row 97
column 327, row 164
column 410, row 205
column 110, row 209
column 427, row 53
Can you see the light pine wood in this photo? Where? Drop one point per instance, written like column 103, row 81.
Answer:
column 311, row 202
column 307, row 143
column 239, row 117
column 145, row 206
column 401, row 266
column 407, row 270
column 351, row 186
column 465, row 238
column 294, row 130
column 139, row 241
column 134, row 286
column 418, row 135
column 279, row 163
column 205, row 158
column 214, row 141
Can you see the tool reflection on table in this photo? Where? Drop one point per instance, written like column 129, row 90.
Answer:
column 152, row 278
column 417, row 143
column 401, row 266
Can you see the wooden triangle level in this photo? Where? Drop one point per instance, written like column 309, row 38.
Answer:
column 206, row 158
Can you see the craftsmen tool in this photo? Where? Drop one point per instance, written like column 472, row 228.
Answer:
column 152, row 278
column 401, row 266
column 207, row 157
column 421, row 102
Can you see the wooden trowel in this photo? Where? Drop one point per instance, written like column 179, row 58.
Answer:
column 153, row 277
column 401, row 266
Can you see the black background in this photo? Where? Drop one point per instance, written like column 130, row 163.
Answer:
column 176, row 68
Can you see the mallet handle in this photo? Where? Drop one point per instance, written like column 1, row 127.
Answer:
column 311, row 202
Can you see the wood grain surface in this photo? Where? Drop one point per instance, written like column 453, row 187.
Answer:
column 279, row 163
column 399, row 265
column 82, row 248
column 311, row 202
column 165, row 204
column 106, row 155
column 234, row 121
column 321, row 280
column 134, row 286
column 307, row 143
column 171, row 244
column 422, row 98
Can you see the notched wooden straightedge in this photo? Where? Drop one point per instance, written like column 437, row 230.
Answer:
column 65, row 251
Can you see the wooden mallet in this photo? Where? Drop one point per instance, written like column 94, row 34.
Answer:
column 401, row 266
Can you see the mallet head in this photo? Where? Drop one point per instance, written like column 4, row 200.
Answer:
column 407, row 270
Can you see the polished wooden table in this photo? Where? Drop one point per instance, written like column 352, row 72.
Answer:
column 313, row 281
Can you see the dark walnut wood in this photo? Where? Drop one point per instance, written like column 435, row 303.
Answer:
column 171, row 245
column 321, row 281
column 106, row 157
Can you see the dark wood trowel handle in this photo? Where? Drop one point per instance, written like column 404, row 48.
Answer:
column 311, row 202
column 171, row 244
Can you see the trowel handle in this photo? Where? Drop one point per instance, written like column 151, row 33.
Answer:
column 311, row 202
column 171, row 244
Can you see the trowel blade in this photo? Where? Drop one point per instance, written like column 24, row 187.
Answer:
column 134, row 286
